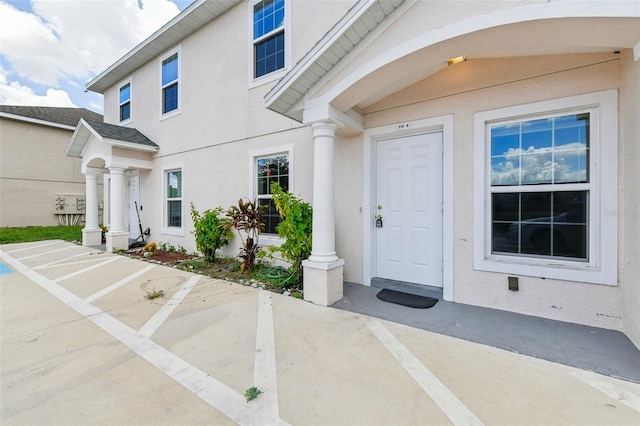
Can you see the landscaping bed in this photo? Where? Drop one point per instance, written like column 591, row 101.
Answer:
column 276, row 279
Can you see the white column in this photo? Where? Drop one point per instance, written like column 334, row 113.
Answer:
column 116, row 207
column 324, row 218
column 117, row 237
column 323, row 270
column 91, row 233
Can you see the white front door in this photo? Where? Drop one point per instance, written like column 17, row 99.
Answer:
column 132, row 196
column 409, row 201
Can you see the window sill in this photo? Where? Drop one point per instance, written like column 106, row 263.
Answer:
column 270, row 240
column 172, row 231
column 170, row 114
column 577, row 272
column 267, row 78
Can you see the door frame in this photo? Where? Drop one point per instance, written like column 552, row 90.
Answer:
column 442, row 124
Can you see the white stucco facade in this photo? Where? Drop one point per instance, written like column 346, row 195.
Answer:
column 395, row 82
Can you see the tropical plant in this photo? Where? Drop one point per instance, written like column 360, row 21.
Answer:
column 211, row 231
column 246, row 218
column 295, row 228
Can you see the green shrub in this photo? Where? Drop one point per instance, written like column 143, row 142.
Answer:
column 211, row 231
column 295, row 228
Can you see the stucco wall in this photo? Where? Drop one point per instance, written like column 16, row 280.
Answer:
column 629, row 211
column 33, row 168
column 480, row 85
column 222, row 117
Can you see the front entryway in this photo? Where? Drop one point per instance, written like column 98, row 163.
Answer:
column 132, row 195
column 408, row 234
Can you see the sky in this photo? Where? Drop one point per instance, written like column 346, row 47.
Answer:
column 50, row 49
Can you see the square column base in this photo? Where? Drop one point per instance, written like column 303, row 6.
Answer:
column 117, row 240
column 323, row 282
column 91, row 237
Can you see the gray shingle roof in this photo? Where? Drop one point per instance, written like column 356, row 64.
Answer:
column 65, row 116
column 125, row 134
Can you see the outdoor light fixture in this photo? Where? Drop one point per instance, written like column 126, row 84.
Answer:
column 456, row 60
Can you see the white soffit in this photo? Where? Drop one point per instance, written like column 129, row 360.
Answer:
column 194, row 17
column 361, row 19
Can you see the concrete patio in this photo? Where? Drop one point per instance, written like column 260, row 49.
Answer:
column 81, row 344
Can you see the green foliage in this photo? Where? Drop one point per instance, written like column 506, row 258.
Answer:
column 246, row 218
column 252, row 393
column 39, row 233
column 211, row 231
column 151, row 295
column 295, row 228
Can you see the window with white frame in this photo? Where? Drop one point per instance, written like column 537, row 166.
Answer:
column 268, row 36
column 170, row 70
column 125, row 102
column 268, row 169
column 545, row 173
column 173, row 196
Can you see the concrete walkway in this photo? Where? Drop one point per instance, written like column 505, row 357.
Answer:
column 81, row 344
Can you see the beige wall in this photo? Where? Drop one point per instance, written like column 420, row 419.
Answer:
column 629, row 210
column 222, row 117
column 480, row 85
column 33, row 169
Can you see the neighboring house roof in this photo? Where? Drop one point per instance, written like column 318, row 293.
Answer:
column 124, row 137
column 194, row 17
column 67, row 118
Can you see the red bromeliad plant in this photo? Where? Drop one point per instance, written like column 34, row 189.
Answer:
column 246, row 218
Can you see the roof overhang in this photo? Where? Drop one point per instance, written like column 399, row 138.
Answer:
column 83, row 134
column 349, row 32
column 317, row 80
column 194, row 17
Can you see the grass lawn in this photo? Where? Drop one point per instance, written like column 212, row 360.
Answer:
column 39, row 233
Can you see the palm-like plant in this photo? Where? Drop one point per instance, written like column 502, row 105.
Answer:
column 246, row 218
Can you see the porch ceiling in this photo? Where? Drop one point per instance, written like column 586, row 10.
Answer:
column 548, row 37
column 353, row 79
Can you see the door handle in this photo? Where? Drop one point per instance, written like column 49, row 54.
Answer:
column 379, row 221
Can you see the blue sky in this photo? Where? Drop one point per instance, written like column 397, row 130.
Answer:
column 49, row 49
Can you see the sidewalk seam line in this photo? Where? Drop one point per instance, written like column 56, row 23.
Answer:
column 163, row 313
column 450, row 405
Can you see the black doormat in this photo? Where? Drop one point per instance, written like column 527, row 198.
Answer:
column 406, row 299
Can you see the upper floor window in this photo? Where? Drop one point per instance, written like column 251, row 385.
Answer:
column 170, row 81
column 268, row 36
column 125, row 102
column 543, row 179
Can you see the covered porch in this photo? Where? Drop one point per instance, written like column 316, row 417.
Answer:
column 117, row 154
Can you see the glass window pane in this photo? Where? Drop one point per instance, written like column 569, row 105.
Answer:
column 170, row 69
column 175, row 213
column 269, row 55
column 125, row 93
column 571, row 166
column 174, row 184
column 544, row 151
column 170, row 98
column 505, row 139
column 505, row 170
column 541, row 223
column 125, row 111
column 537, row 168
column 537, row 135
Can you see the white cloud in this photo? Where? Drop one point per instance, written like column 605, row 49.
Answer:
column 566, row 163
column 15, row 93
column 67, row 42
